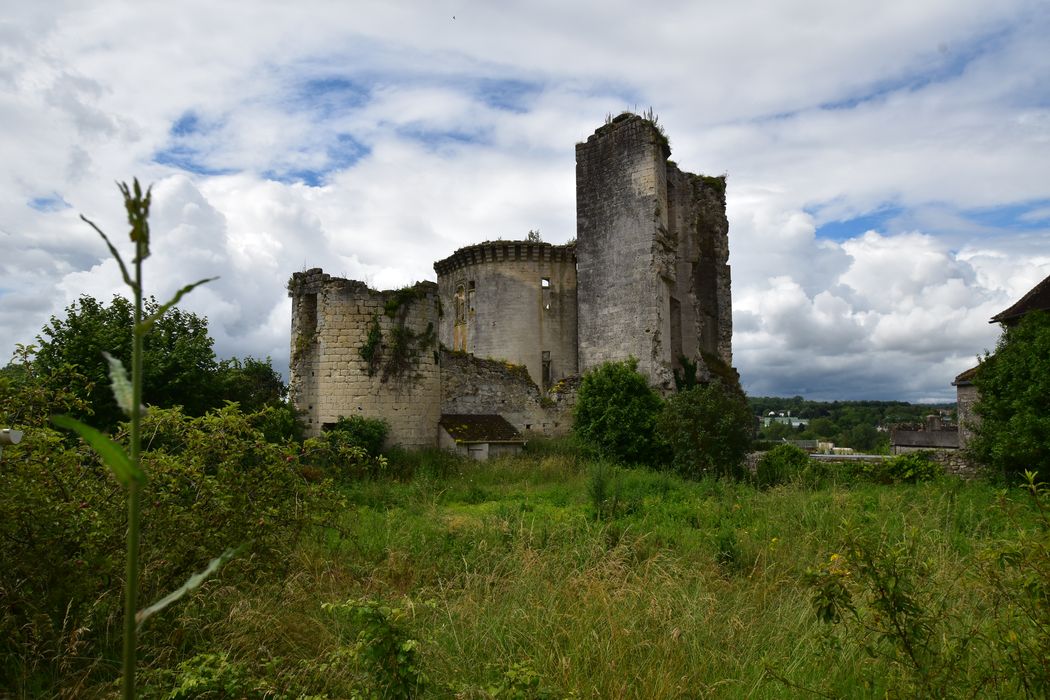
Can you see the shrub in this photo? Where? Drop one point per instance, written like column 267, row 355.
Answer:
column 907, row 468
column 911, row 468
column 708, row 429
column 616, row 413
column 214, row 481
column 780, row 465
column 1014, row 429
column 367, row 433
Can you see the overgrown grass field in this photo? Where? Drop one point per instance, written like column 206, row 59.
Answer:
column 549, row 575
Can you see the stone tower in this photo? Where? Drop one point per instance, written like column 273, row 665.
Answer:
column 514, row 300
column 652, row 256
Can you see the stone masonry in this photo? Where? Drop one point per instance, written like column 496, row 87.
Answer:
column 510, row 325
column 332, row 322
column 652, row 255
column 512, row 300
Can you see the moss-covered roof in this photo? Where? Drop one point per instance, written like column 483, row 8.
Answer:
column 966, row 378
column 466, row 428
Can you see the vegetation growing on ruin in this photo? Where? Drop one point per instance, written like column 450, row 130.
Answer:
column 371, row 351
column 397, row 356
column 716, row 183
column 403, row 350
column 399, row 300
column 723, row 372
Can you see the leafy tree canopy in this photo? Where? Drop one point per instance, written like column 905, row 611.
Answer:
column 180, row 367
column 1014, row 404
column 709, row 430
column 616, row 413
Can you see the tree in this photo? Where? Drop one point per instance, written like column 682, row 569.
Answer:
column 179, row 361
column 180, row 366
column 709, row 430
column 252, row 383
column 616, row 413
column 1014, row 400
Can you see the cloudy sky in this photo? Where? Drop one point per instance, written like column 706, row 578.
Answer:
column 888, row 165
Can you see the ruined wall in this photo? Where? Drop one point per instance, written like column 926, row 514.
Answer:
column 652, row 250
column 697, row 222
column 966, row 396
column 512, row 300
column 474, row 385
column 357, row 351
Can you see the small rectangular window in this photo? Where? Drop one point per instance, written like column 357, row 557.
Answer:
column 545, row 282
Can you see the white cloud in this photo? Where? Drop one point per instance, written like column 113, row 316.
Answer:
column 424, row 133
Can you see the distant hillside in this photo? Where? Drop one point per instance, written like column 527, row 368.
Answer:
column 862, row 425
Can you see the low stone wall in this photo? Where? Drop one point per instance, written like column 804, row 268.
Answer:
column 479, row 386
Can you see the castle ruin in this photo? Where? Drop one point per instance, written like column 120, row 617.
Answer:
column 511, row 325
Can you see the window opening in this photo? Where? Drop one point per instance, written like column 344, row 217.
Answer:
column 545, row 358
column 545, row 282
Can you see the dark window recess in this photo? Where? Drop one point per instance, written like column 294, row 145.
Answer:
column 546, row 368
column 545, row 282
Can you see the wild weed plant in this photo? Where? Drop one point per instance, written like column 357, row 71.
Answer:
column 126, row 464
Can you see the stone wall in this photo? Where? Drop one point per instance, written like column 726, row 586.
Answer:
column 357, row 351
column 514, row 301
column 652, row 255
column 966, row 397
column 474, row 385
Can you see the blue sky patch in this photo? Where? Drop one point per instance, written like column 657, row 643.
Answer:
column 49, row 203
column 345, row 152
column 329, row 96
column 851, row 228
column 188, row 123
column 1015, row 217
column 510, row 95
column 312, row 178
column 952, row 62
column 436, row 139
column 187, row 159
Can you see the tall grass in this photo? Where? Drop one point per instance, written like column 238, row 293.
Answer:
column 502, row 578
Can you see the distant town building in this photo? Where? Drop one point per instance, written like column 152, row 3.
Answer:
column 934, row 434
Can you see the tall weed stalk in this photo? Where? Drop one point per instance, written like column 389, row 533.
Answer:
column 128, row 393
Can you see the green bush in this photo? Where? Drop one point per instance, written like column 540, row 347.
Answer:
column 911, row 468
column 367, row 433
column 708, row 429
column 780, row 465
column 214, row 482
column 616, row 412
column 907, row 468
column 1014, row 430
